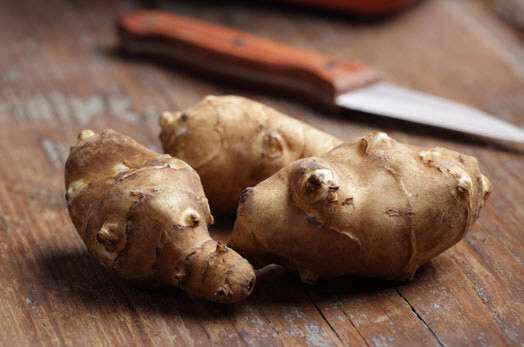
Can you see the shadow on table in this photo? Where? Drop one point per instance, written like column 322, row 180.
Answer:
column 89, row 287
column 75, row 277
column 275, row 284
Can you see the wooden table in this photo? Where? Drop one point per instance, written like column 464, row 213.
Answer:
column 60, row 73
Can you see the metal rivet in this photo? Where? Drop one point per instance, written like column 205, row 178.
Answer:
column 330, row 64
column 238, row 42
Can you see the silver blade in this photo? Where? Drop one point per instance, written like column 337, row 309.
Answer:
column 402, row 103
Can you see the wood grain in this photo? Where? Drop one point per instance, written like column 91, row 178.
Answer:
column 60, row 73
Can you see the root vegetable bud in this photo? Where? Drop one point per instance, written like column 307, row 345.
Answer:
column 145, row 216
column 234, row 143
column 369, row 207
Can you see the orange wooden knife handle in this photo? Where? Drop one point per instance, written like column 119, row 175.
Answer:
column 240, row 56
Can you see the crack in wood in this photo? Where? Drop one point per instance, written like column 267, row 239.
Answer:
column 325, row 318
column 205, row 332
column 355, row 327
column 259, row 309
column 236, row 330
column 420, row 318
column 497, row 316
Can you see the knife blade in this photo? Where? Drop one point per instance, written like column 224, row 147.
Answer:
column 321, row 79
column 410, row 105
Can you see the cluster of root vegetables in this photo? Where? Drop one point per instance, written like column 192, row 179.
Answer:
column 321, row 207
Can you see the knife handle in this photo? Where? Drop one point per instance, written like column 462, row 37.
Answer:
column 240, row 56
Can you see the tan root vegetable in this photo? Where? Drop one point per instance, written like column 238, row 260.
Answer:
column 370, row 207
column 234, row 143
column 145, row 216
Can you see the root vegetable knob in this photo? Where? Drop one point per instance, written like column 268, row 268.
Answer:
column 319, row 184
column 370, row 207
column 234, row 143
column 145, row 216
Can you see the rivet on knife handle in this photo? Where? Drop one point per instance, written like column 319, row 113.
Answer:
column 240, row 56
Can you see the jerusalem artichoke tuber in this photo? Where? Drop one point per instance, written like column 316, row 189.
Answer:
column 233, row 143
column 145, row 216
column 370, row 207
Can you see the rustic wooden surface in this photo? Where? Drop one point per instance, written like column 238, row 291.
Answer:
column 59, row 73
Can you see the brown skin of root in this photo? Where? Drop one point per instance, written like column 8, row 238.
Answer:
column 370, row 207
column 234, row 143
column 145, row 216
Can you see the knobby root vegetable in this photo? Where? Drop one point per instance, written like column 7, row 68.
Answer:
column 371, row 207
column 234, row 143
column 145, row 216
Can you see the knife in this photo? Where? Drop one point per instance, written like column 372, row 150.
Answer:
column 318, row 78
